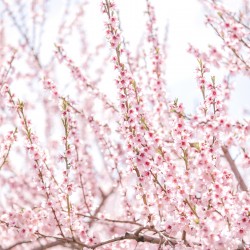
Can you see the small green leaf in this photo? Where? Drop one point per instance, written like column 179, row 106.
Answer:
column 195, row 145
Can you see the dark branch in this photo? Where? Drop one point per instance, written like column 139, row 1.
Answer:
column 15, row 245
column 235, row 170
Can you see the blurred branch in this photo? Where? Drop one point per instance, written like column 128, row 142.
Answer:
column 15, row 245
column 104, row 199
column 235, row 170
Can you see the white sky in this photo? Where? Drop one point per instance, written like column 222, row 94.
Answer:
column 186, row 25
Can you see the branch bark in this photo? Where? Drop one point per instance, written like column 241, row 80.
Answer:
column 78, row 245
column 15, row 245
column 59, row 243
column 235, row 170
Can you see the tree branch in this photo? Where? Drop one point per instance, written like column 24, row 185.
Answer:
column 104, row 199
column 110, row 220
column 136, row 237
column 62, row 243
column 235, row 170
column 78, row 245
column 15, row 245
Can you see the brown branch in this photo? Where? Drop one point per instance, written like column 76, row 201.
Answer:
column 5, row 156
column 133, row 236
column 126, row 236
column 110, row 220
column 137, row 235
column 84, row 195
column 104, row 199
column 15, row 245
column 62, row 243
column 231, row 48
column 235, row 170
column 24, row 35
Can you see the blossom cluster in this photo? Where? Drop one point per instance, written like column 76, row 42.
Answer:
column 138, row 172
